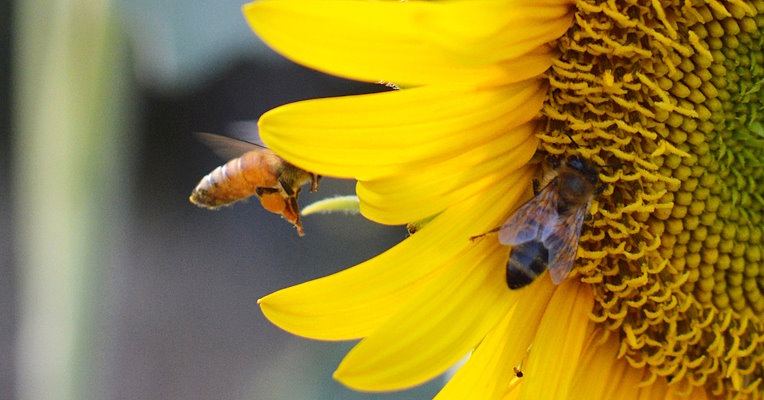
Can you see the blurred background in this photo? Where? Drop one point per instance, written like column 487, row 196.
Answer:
column 113, row 286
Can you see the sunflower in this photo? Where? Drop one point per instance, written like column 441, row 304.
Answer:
column 665, row 299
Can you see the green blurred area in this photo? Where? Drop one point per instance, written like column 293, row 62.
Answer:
column 116, row 287
column 69, row 114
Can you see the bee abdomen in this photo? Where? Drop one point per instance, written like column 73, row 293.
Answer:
column 526, row 262
column 226, row 184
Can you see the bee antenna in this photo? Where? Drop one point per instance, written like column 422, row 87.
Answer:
column 573, row 142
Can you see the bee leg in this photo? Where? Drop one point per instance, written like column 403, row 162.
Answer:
column 314, row 182
column 601, row 188
column 292, row 214
column 536, row 186
column 287, row 189
column 573, row 142
column 473, row 238
column 588, row 217
column 260, row 191
column 494, row 230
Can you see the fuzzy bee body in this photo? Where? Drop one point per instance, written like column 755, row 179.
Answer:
column 544, row 232
column 528, row 261
column 257, row 172
column 237, row 179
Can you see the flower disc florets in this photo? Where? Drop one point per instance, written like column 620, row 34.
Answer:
column 667, row 99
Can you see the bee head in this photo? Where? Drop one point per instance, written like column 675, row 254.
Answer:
column 584, row 167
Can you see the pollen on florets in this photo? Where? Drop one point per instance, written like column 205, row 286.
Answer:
column 671, row 93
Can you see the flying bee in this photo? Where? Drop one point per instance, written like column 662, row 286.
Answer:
column 544, row 232
column 252, row 170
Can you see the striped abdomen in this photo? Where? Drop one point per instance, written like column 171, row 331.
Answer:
column 526, row 262
column 238, row 179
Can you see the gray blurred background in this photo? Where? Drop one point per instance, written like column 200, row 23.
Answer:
column 113, row 286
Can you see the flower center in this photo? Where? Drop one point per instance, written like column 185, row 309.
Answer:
column 668, row 101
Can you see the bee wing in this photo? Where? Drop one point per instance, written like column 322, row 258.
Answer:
column 527, row 223
column 226, row 147
column 247, row 131
column 561, row 240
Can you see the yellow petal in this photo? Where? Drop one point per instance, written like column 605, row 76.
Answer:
column 623, row 382
column 560, row 339
column 428, row 191
column 438, row 327
column 656, row 390
column 376, row 135
column 352, row 303
column 677, row 392
column 414, row 42
column 610, row 377
column 514, row 390
column 490, row 368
